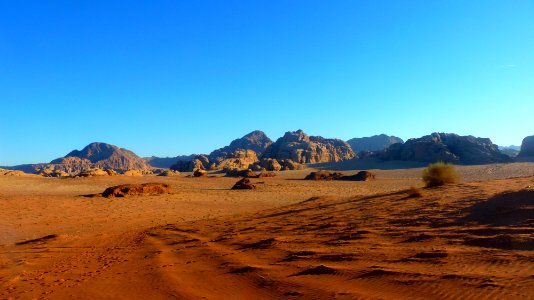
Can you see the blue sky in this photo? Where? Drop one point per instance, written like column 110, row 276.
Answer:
column 177, row 77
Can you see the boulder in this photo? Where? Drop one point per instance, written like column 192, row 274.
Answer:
column 199, row 173
column 301, row 148
column 137, row 190
column 243, row 184
column 446, row 147
column 527, row 147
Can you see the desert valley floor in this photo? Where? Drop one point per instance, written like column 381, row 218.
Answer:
column 288, row 238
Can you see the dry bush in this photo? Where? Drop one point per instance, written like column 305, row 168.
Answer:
column 414, row 192
column 439, row 174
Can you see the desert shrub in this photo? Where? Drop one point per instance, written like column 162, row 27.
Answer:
column 414, row 192
column 439, row 174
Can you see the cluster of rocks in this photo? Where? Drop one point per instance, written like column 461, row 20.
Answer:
column 144, row 189
column 301, row 148
column 5, row 172
column 326, row 175
column 446, row 147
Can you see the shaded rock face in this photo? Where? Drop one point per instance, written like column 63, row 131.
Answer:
column 256, row 141
column 446, row 147
column 527, row 147
column 512, row 151
column 101, row 156
column 373, row 143
column 360, row 176
column 301, row 148
column 167, row 162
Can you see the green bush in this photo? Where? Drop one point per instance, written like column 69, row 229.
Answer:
column 439, row 174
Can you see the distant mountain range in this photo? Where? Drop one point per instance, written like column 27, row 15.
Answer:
column 297, row 147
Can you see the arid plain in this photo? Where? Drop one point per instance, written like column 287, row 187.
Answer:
column 288, row 238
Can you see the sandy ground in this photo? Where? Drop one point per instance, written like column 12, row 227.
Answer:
column 289, row 238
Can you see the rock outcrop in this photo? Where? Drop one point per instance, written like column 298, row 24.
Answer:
column 256, row 141
column 5, row 172
column 373, row 143
column 527, row 147
column 239, row 159
column 169, row 173
column 144, row 189
column 200, row 162
column 301, row 148
column 323, row 175
column 446, row 147
column 326, row 175
column 240, row 173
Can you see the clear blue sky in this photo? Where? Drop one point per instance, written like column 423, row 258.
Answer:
column 177, row 77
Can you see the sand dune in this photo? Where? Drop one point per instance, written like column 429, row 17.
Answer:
column 288, row 238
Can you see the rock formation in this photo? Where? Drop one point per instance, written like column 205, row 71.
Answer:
column 256, row 141
column 144, row 189
column 323, row 175
column 301, row 148
column 103, row 156
column 240, row 173
column 373, row 143
column 446, row 147
column 527, row 147
column 239, row 159
column 200, row 162
column 167, row 162
column 169, row 173
column 243, row 184
column 326, row 175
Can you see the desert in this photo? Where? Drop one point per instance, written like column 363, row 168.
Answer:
column 287, row 238
column 245, row 149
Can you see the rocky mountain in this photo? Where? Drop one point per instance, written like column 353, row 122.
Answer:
column 511, row 151
column 373, row 143
column 527, row 147
column 301, row 148
column 446, row 147
column 167, row 162
column 102, row 156
column 256, row 141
